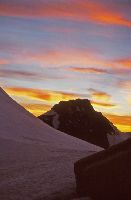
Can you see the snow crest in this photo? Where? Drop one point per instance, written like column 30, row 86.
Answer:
column 36, row 162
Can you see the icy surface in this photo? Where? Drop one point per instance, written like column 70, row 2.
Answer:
column 115, row 139
column 56, row 120
column 36, row 162
column 55, row 116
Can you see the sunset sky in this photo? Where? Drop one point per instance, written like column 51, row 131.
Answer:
column 52, row 50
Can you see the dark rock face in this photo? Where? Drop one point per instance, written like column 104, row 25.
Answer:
column 79, row 119
column 106, row 175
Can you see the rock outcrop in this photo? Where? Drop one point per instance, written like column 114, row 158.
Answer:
column 79, row 119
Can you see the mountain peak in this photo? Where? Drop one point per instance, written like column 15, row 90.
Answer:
column 79, row 105
column 79, row 119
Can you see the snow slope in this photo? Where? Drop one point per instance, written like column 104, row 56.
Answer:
column 36, row 162
column 116, row 139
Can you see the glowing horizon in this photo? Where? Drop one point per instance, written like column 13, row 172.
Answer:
column 60, row 50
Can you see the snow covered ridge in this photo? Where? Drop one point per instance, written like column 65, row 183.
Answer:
column 36, row 161
column 79, row 119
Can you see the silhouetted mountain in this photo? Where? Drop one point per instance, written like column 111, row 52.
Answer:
column 79, row 119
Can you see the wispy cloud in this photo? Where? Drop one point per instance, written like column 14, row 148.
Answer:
column 65, row 57
column 93, row 11
column 102, row 104
column 82, row 60
column 99, row 95
column 88, row 70
column 36, row 109
column 18, row 74
column 124, row 62
column 123, row 122
column 29, row 75
column 101, row 99
column 125, row 84
column 45, row 95
column 29, row 93
column 3, row 61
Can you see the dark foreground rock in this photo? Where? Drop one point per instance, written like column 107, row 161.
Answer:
column 106, row 175
column 79, row 119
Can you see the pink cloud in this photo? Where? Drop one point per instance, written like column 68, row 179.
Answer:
column 70, row 10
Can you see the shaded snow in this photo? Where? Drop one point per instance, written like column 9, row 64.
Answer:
column 115, row 139
column 115, row 130
column 55, row 118
column 36, row 162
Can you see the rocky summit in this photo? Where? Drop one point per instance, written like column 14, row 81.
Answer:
column 79, row 119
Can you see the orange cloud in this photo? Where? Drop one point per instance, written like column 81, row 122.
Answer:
column 78, row 11
column 109, row 17
column 3, row 61
column 101, row 104
column 122, row 122
column 46, row 95
column 125, row 62
column 29, row 93
column 99, row 95
column 101, row 99
column 36, row 109
column 88, row 70
column 123, row 128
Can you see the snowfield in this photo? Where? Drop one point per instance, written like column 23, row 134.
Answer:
column 36, row 161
